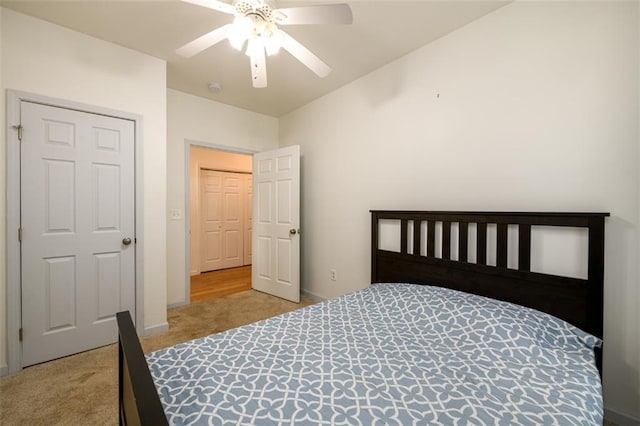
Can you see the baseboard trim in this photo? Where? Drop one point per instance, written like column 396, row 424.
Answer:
column 176, row 305
column 312, row 294
column 619, row 418
column 4, row 370
column 156, row 329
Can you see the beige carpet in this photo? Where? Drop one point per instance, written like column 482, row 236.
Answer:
column 82, row 389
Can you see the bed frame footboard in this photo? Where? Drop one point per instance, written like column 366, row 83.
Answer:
column 138, row 399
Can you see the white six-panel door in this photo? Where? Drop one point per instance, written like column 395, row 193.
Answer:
column 77, row 216
column 276, row 223
column 222, row 220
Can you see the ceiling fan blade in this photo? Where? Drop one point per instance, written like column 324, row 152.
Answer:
column 323, row 14
column 220, row 6
column 304, row 55
column 204, row 42
column 258, row 67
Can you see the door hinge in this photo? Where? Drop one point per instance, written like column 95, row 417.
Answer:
column 20, row 234
column 20, row 334
column 19, row 128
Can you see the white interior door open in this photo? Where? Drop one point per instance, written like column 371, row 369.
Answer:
column 276, row 223
column 78, row 229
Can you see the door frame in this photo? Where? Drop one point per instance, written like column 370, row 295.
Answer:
column 14, row 280
column 188, row 143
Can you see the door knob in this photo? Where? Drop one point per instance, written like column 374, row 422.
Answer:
column 293, row 231
column 126, row 241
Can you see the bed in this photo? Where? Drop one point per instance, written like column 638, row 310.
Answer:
column 448, row 333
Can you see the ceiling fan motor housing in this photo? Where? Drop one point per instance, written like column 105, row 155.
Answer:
column 255, row 9
column 256, row 20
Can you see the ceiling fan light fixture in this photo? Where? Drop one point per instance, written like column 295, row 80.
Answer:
column 257, row 31
column 240, row 31
column 273, row 42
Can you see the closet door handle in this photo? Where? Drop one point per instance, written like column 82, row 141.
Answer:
column 126, row 241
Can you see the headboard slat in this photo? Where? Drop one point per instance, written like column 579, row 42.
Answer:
column 446, row 239
column 481, row 243
column 403, row 235
column 431, row 238
column 417, row 237
column 463, row 239
column 524, row 247
column 501, row 255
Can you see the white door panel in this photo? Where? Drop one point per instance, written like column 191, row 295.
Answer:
column 232, row 225
column 77, row 202
column 248, row 209
column 276, row 223
column 211, row 217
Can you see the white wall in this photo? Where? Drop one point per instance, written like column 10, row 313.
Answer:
column 194, row 119
column 49, row 60
column 3, row 221
column 533, row 107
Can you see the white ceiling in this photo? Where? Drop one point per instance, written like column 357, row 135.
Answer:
column 382, row 31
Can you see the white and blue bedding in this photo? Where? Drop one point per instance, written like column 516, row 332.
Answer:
column 389, row 354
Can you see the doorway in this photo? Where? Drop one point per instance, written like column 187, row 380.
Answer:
column 220, row 209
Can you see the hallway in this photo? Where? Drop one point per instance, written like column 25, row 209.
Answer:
column 223, row 282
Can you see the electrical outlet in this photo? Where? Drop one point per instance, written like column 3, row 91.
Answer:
column 176, row 214
column 333, row 274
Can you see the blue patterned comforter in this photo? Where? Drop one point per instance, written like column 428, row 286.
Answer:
column 389, row 354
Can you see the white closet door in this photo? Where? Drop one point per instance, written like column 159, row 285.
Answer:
column 232, row 221
column 78, row 239
column 248, row 215
column 222, row 220
column 210, row 220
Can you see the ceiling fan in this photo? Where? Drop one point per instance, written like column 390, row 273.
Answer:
column 257, row 22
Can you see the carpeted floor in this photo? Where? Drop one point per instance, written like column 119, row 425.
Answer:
column 82, row 389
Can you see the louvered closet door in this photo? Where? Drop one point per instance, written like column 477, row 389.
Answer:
column 77, row 207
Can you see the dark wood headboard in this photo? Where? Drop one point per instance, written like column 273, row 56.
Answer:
column 577, row 301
